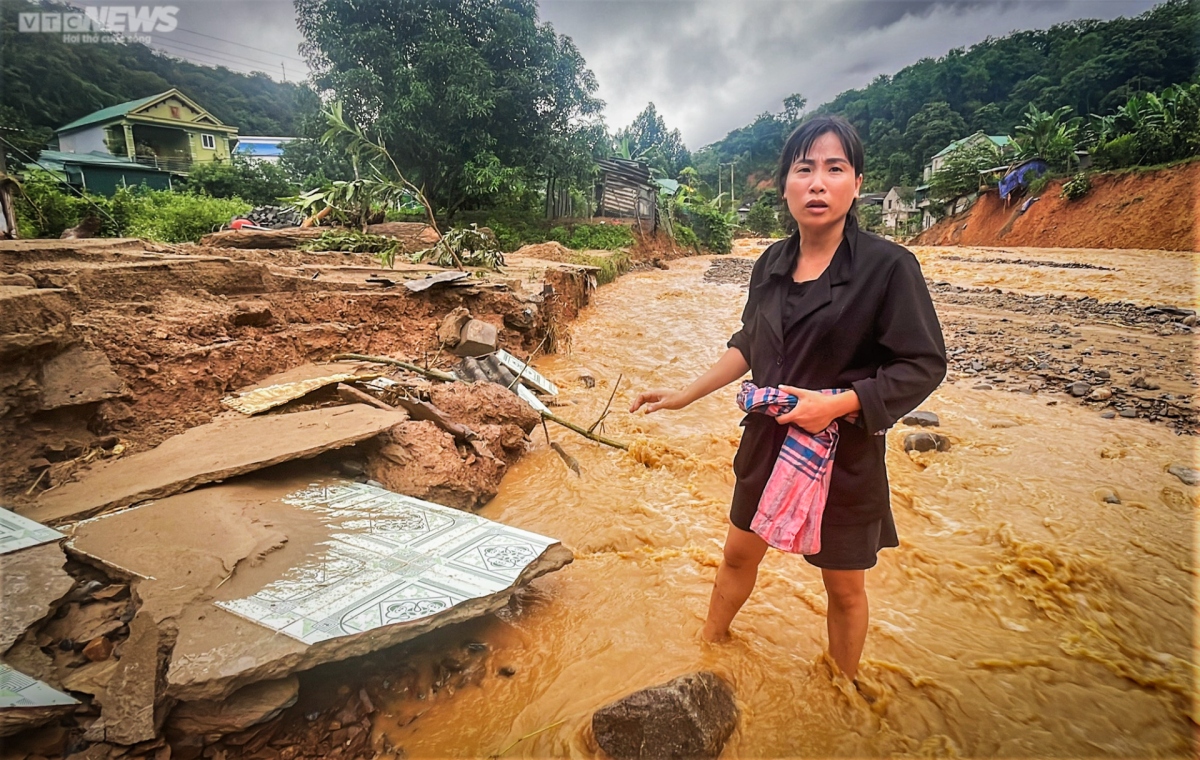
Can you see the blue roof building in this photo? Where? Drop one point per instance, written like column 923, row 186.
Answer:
column 261, row 148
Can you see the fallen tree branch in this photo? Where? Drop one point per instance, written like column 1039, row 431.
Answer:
column 569, row 460
column 434, row 374
column 609, row 404
column 424, row 411
column 354, row 395
column 585, row 433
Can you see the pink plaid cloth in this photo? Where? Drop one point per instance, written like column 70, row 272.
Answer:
column 789, row 513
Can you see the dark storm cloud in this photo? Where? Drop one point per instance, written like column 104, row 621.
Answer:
column 712, row 66
column 708, row 65
column 242, row 35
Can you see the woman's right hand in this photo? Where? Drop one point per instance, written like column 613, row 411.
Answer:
column 659, row 398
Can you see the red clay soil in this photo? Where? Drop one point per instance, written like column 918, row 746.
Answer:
column 1154, row 210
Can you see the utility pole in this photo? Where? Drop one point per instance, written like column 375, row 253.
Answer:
column 283, row 67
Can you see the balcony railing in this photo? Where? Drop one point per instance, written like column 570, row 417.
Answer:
column 169, row 164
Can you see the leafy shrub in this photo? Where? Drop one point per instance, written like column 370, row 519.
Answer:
column 1076, row 187
column 608, row 237
column 173, row 217
column 45, row 207
column 461, row 245
column 1116, row 153
column 1039, row 183
column 684, row 235
column 762, row 219
column 711, row 226
column 259, row 183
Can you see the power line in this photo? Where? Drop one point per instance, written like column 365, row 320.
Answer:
column 218, row 52
column 239, row 44
column 199, row 59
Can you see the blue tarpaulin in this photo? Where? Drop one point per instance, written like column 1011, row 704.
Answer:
column 1017, row 176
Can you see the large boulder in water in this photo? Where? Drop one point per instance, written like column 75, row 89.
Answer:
column 690, row 717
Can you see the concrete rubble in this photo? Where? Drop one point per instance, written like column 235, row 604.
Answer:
column 153, row 626
column 211, row 452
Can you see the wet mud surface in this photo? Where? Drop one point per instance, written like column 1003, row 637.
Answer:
column 1037, row 606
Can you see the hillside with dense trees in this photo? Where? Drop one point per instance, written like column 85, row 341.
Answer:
column 1092, row 67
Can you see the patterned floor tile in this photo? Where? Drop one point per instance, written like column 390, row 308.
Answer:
column 391, row 559
column 18, row 532
column 19, row 690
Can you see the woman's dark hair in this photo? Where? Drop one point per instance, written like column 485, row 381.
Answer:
column 800, row 142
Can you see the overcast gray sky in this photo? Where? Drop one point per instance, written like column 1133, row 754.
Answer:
column 708, row 65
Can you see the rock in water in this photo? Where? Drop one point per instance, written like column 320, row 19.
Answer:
column 926, row 442
column 922, row 419
column 691, row 716
column 1186, row 474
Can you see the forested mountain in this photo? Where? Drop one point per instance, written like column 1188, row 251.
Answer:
column 1091, row 66
column 46, row 83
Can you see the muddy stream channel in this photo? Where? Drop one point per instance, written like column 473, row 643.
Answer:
column 1040, row 604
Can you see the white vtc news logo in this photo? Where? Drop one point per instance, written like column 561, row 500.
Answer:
column 108, row 18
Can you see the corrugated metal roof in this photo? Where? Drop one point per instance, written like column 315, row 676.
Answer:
column 998, row 140
column 110, row 113
column 55, row 160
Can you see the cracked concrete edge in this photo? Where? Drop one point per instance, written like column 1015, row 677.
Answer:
column 555, row 557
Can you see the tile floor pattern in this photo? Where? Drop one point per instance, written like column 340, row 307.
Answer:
column 19, row 690
column 18, row 532
column 391, row 559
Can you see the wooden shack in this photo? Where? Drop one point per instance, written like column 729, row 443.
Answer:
column 626, row 192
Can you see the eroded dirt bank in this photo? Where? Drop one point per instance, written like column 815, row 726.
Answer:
column 110, row 348
column 1150, row 210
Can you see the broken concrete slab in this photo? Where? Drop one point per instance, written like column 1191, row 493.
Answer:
column 248, row 706
column 441, row 278
column 32, row 581
column 216, row 451
column 79, row 376
column 27, row 702
column 349, row 568
column 477, row 338
column 128, row 707
column 261, row 399
column 526, row 374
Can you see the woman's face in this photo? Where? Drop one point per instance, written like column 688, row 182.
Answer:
column 821, row 186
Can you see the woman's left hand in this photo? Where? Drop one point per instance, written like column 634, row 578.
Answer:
column 814, row 411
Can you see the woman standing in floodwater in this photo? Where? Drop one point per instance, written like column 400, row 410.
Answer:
column 829, row 308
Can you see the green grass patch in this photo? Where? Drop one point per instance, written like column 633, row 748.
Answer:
column 611, row 266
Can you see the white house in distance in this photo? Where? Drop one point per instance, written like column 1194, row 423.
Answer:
column 899, row 205
column 256, row 148
column 999, row 142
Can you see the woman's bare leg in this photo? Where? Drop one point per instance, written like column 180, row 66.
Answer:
column 847, row 618
column 735, row 580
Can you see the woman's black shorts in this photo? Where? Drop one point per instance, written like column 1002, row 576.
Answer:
column 844, row 547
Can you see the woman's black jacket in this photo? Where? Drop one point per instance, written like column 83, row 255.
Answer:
column 866, row 323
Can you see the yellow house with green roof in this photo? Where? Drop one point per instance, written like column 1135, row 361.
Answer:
column 168, row 132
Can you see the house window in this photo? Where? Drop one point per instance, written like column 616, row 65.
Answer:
column 208, row 141
column 174, row 112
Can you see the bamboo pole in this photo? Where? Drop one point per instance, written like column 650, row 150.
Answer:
column 433, row 374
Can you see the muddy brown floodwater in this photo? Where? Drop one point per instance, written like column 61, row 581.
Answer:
column 1023, row 615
